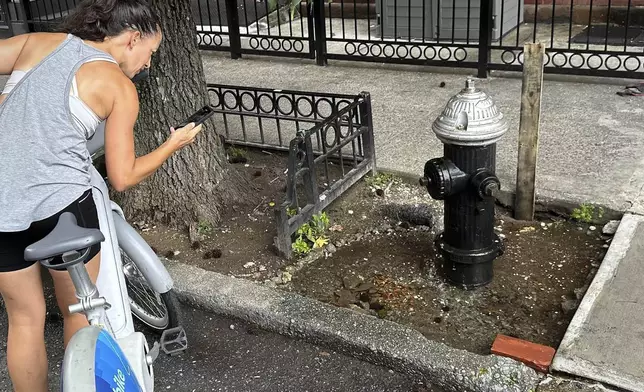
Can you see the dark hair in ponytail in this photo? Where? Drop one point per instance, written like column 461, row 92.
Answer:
column 94, row 20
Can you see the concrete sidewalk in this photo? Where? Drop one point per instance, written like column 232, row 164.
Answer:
column 590, row 141
column 604, row 340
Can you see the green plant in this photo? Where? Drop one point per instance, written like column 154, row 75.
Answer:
column 204, row 227
column 586, row 213
column 300, row 246
column 291, row 212
column 380, row 180
column 311, row 235
column 235, row 152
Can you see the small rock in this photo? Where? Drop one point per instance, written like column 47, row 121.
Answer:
column 249, row 264
column 543, row 224
column 610, row 228
column 501, row 236
column 350, row 212
column 177, row 252
column 365, row 305
column 358, row 309
column 262, row 268
column 232, row 326
column 331, row 248
column 339, row 244
column 579, row 293
column 569, row 305
column 592, row 228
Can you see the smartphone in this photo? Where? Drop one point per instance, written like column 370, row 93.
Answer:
column 198, row 117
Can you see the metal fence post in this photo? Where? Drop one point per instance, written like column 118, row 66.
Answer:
column 485, row 37
column 232, row 16
column 320, row 31
column 310, row 176
column 366, row 120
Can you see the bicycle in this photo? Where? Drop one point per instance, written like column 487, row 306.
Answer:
column 131, row 277
column 95, row 359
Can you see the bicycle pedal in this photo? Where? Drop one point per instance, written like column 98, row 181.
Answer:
column 174, row 341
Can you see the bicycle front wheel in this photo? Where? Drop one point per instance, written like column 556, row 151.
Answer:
column 158, row 311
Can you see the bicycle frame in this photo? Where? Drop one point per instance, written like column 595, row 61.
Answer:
column 119, row 234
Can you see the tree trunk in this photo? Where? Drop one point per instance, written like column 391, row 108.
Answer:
column 196, row 182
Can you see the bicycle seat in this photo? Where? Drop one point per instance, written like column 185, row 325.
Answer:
column 67, row 236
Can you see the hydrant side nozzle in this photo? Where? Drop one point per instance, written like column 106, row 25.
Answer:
column 486, row 183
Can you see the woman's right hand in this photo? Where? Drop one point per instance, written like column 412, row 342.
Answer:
column 181, row 137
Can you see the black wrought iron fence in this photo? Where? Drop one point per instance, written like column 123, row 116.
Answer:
column 591, row 37
column 5, row 19
column 328, row 138
column 258, row 27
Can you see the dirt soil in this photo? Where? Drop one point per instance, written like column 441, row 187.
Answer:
column 381, row 261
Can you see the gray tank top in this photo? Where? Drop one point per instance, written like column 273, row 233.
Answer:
column 44, row 161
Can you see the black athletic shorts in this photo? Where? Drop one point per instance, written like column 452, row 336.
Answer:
column 13, row 244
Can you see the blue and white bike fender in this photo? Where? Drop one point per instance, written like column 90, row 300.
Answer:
column 110, row 372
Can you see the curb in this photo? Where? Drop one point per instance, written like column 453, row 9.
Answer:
column 365, row 337
column 566, row 360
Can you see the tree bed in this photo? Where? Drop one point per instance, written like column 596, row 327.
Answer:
column 381, row 261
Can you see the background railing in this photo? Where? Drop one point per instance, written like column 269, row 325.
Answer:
column 589, row 37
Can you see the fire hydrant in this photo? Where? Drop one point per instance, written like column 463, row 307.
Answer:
column 469, row 128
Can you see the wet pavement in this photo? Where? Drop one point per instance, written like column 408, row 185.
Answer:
column 226, row 355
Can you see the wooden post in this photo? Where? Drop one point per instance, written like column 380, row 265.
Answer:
column 533, row 63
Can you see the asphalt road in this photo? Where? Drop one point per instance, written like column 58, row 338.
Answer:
column 225, row 355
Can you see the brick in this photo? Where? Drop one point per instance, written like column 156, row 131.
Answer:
column 537, row 356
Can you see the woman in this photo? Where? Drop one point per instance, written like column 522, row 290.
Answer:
column 62, row 85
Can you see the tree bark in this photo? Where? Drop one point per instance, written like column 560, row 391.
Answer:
column 196, row 183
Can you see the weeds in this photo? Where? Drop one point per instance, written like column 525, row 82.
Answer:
column 204, row 227
column 587, row 213
column 311, row 235
column 380, row 180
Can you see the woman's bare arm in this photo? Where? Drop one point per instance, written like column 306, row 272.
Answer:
column 124, row 169
column 10, row 51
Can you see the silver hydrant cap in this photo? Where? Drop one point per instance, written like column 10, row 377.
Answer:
column 470, row 118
